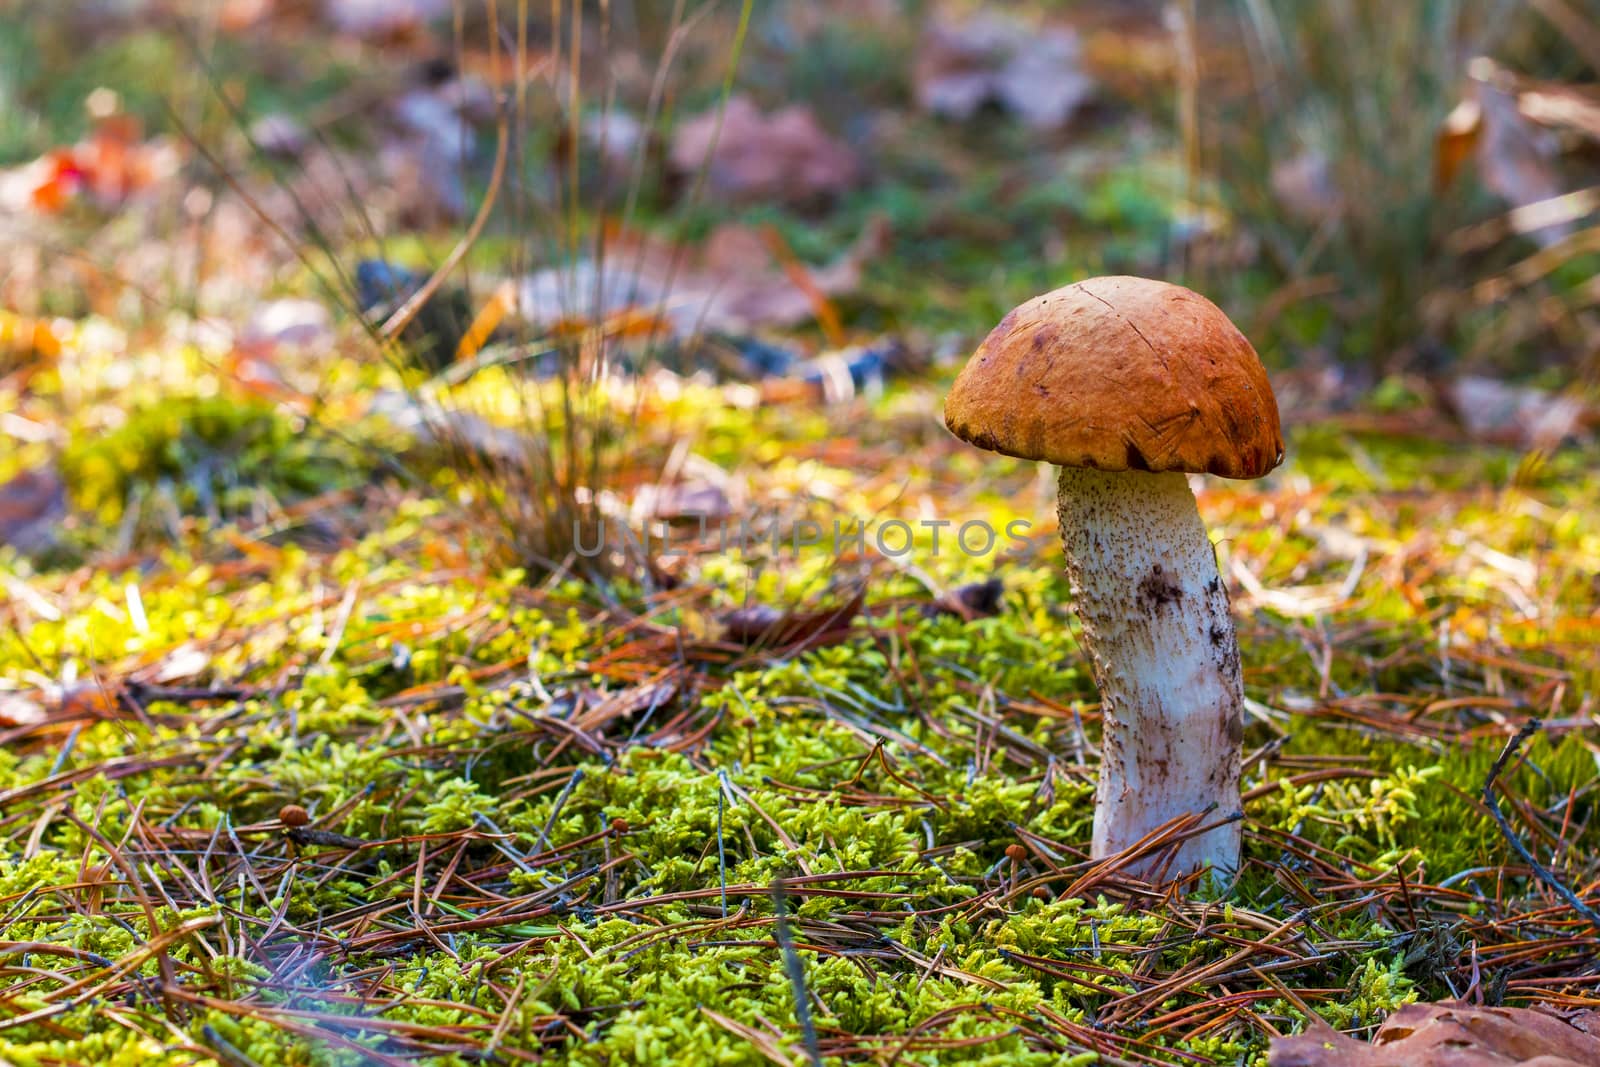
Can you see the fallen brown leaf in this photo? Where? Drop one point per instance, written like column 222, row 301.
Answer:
column 1569, row 107
column 20, row 709
column 1305, row 187
column 785, row 156
column 32, row 506
column 1452, row 1034
column 732, row 284
column 1515, row 158
column 761, row 624
column 56, row 706
column 1033, row 73
column 383, row 18
column 25, row 338
column 1520, row 416
column 975, row 600
column 695, row 499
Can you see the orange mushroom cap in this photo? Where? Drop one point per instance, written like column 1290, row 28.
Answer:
column 1118, row 374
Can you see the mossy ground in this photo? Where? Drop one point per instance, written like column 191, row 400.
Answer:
column 549, row 820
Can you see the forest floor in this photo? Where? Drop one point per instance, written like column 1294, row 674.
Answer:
column 297, row 765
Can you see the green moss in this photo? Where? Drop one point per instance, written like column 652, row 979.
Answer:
column 847, row 759
column 444, row 715
column 216, row 454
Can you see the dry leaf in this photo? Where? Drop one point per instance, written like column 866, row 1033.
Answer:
column 383, row 18
column 289, row 321
column 974, row 600
column 1304, row 186
column 1569, row 107
column 785, row 156
column 236, row 16
column 1554, row 104
column 20, row 709
column 1521, row 416
column 1457, row 140
column 1515, row 159
column 32, row 507
column 55, row 704
column 29, row 337
column 279, row 135
column 791, row 631
column 184, row 663
column 1032, row 73
column 108, row 167
column 732, row 284
column 432, row 423
column 697, row 499
column 1452, row 1034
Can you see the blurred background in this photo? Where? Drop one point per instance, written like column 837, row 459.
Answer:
column 292, row 203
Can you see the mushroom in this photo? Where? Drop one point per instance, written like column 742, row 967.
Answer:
column 1129, row 385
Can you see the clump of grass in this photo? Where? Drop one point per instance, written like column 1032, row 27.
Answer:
column 533, row 428
column 1323, row 140
column 562, row 405
column 219, row 457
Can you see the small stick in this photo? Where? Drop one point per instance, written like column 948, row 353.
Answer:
column 555, row 811
column 1490, row 799
column 797, row 975
column 722, row 851
column 225, row 1049
column 407, row 311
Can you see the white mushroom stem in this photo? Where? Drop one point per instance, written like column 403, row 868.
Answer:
column 1157, row 628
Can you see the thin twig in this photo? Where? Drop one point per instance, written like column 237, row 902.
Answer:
column 797, row 975
column 1490, row 799
column 722, row 849
column 227, row 1051
column 407, row 311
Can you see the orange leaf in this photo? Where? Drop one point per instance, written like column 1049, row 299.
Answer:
column 1457, row 140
